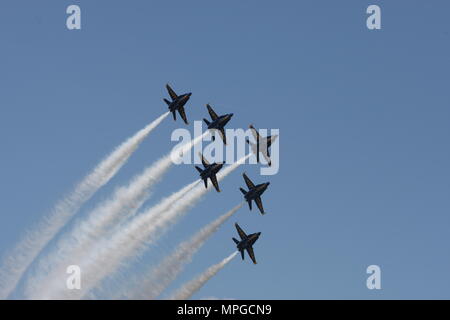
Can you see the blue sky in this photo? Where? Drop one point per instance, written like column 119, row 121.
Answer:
column 363, row 118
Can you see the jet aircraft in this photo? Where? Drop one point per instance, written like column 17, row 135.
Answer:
column 218, row 122
column 177, row 103
column 262, row 145
column 246, row 242
column 254, row 193
column 209, row 171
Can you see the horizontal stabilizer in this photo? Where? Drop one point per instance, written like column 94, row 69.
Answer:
column 167, row 101
column 207, row 122
column 236, row 240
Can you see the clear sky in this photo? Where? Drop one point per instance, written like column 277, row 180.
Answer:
column 363, row 116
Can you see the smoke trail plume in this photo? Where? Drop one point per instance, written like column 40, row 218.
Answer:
column 149, row 287
column 134, row 237
column 23, row 254
column 125, row 201
column 187, row 290
column 55, row 287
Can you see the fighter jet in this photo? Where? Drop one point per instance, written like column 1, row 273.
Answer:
column 209, row 172
column 177, row 103
column 254, row 193
column 218, row 123
column 246, row 242
column 262, row 144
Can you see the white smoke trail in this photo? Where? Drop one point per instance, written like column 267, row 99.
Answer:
column 55, row 287
column 133, row 238
column 187, row 290
column 24, row 253
column 125, row 201
column 151, row 286
column 87, row 232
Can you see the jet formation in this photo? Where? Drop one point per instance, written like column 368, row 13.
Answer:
column 210, row 170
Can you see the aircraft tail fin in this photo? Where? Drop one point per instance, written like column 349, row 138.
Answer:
column 242, row 254
column 174, row 115
column 235, row 240
column 207, row 122
column 167, row 101
column 243, row 191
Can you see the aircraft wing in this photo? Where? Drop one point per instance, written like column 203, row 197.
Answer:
column 259, row 204
column 266, row 156
column 254, row 132
column 251, row 254
column 271, row 139
column 204, row 161
column 211, row 112
column 172, row 93
column 240, row 232
column 214, row 182
column 183, row 114
column 249, row 182
column 222, row 134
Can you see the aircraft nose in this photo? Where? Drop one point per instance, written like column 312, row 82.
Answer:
column 259, row 233
column 189, row 94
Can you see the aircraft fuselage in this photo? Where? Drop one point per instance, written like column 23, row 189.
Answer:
column 211, row 170
column 179, row 102
column 248, row 242
column 220, row 122
column 256, row 191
